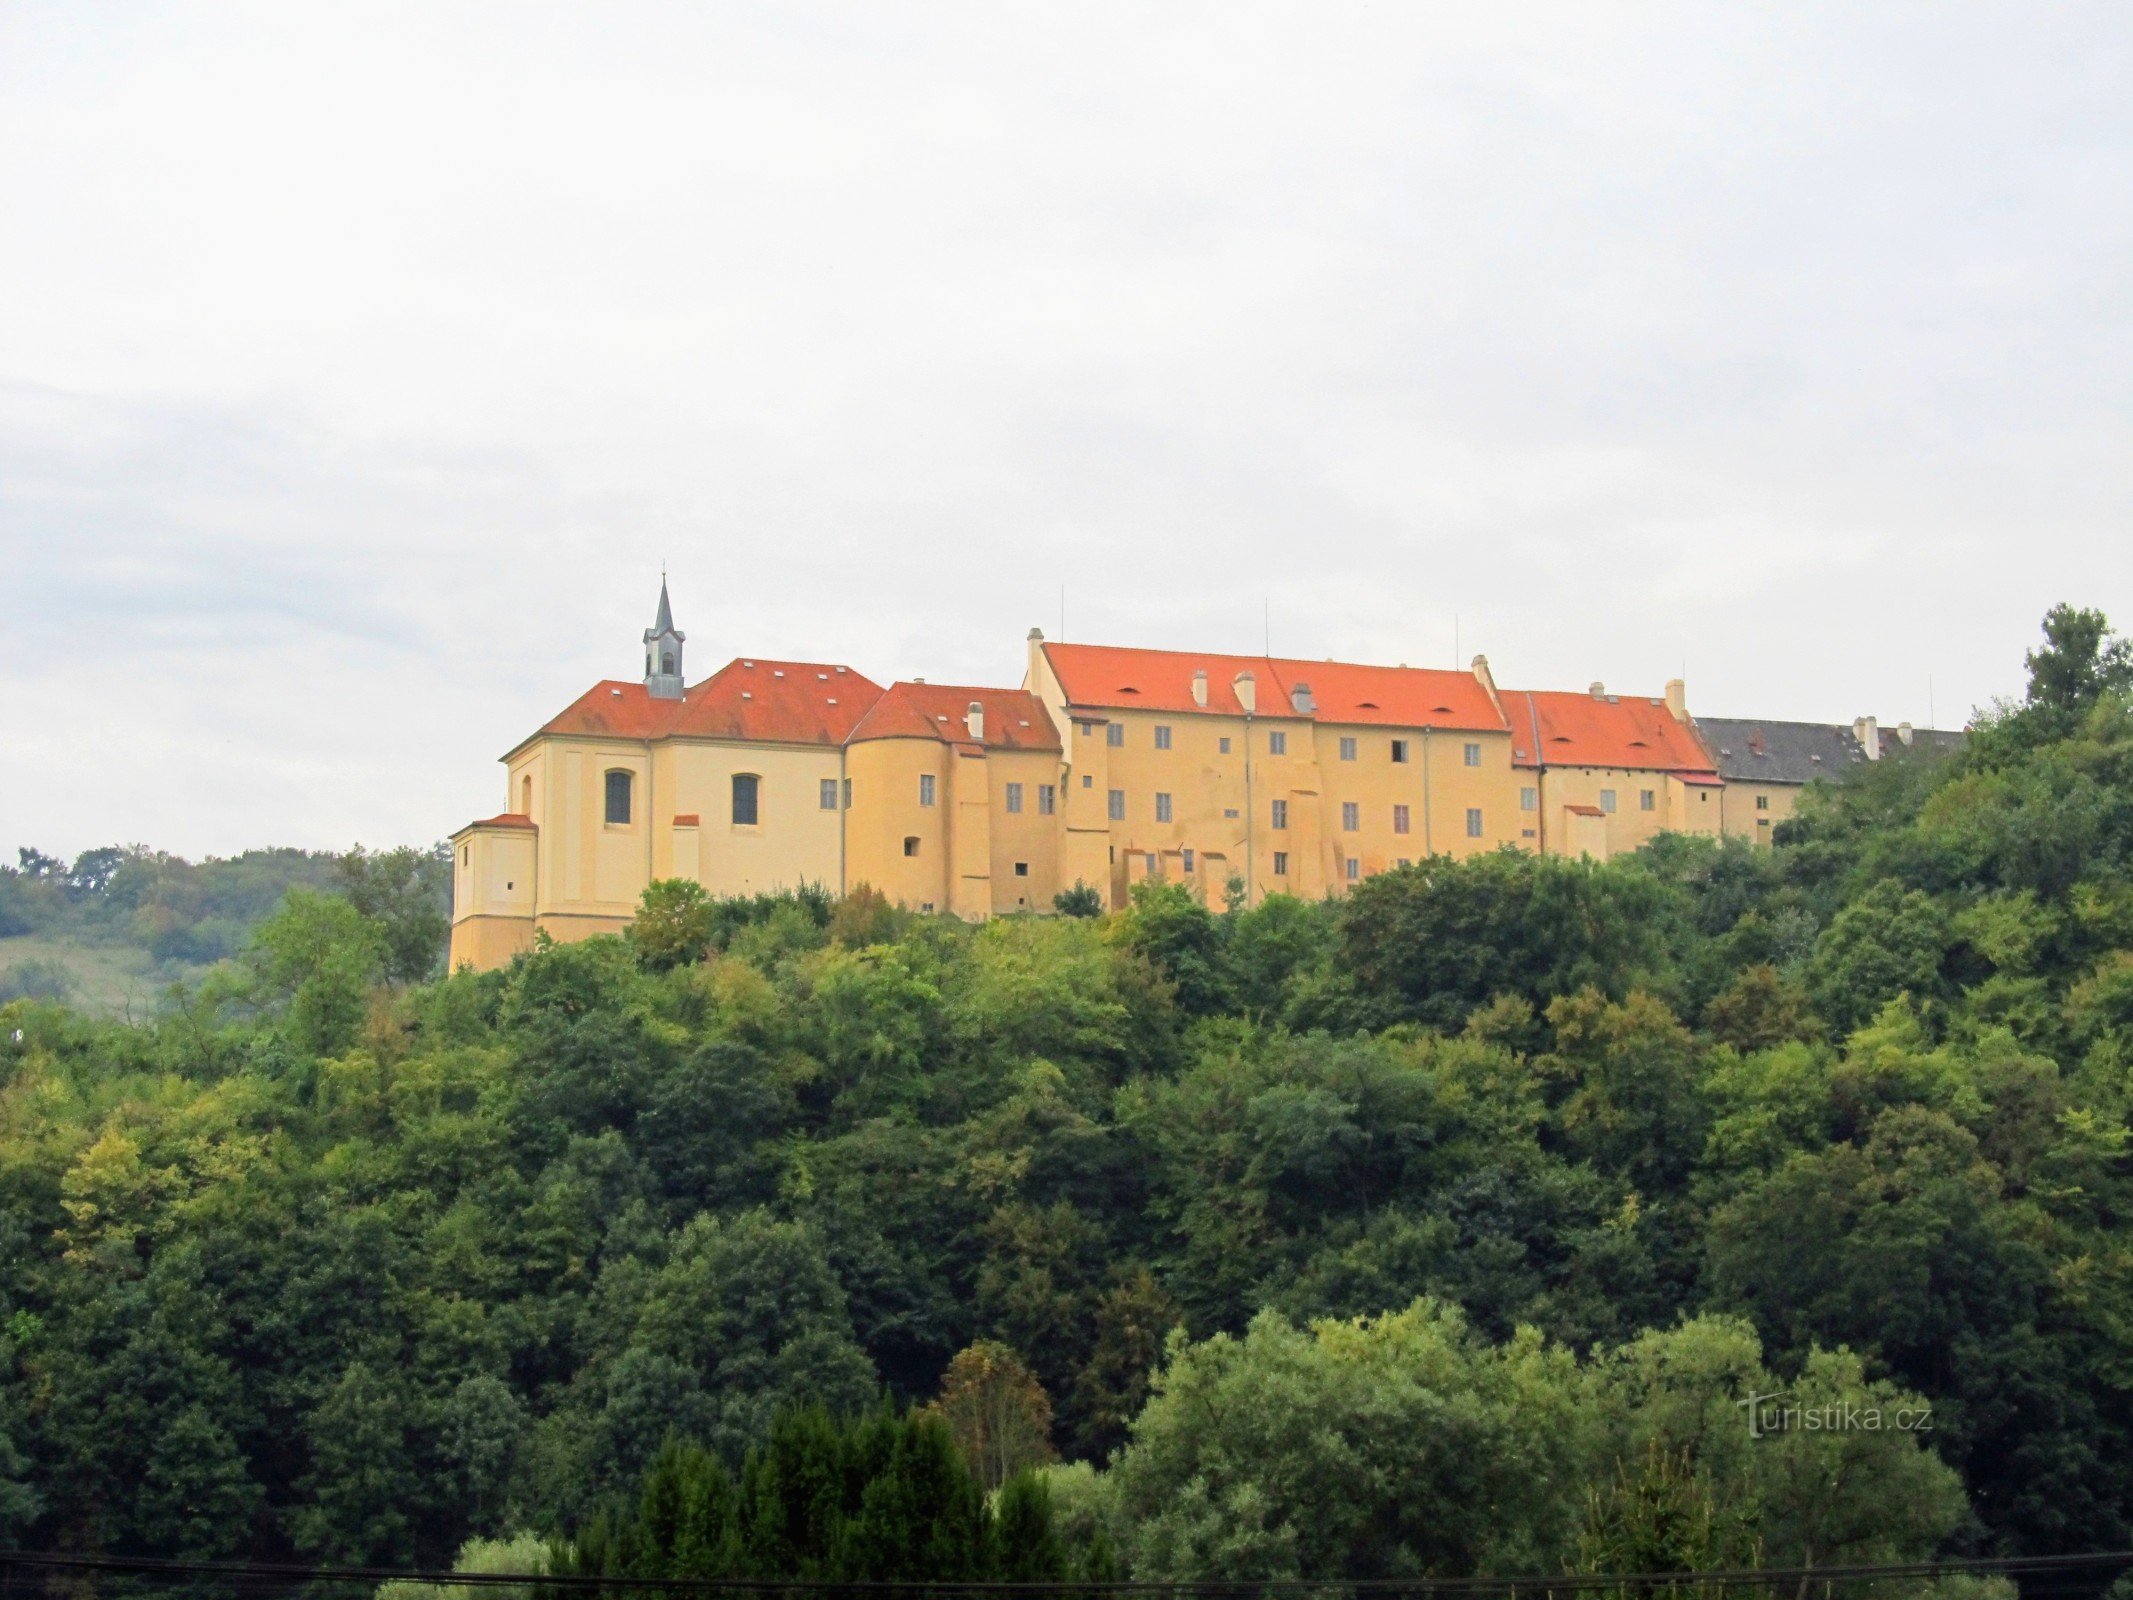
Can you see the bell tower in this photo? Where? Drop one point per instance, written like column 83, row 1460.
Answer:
column 662, row 651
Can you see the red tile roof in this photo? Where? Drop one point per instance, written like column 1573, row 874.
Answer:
column 1112, row 677
column 1555, row 728
column 774, row 702
column 1014, row 718
column 506, row 819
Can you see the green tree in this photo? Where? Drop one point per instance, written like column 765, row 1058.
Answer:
column 2080, row 661
column 356, row 1508
column 1386, row 1447
column 408, row 894
column 316, row 959
column 673, row 925
column 1887, row 942
column 997, row 1413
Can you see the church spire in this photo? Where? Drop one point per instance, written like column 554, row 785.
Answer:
column 662, row 651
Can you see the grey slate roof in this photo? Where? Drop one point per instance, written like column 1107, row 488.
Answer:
column 1780, row 752
column 1924, row 742
column 1800, row 752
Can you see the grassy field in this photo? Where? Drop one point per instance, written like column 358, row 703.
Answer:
column 113, row 979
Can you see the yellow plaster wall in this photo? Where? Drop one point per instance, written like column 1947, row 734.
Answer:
column 1741, row 817
column 1677, row 807
column 1029, row 837
column 886, row 810
column 796, row 841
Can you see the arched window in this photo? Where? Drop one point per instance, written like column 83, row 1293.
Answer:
column 747, row 797
column 618, row 797
column 525, row 795
column 666, row 663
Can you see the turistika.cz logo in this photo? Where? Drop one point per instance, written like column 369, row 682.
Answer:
column 1767, row 1413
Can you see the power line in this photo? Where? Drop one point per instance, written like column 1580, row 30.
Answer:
column 263, row 1575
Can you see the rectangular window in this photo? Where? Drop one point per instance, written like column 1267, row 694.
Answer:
column 1047, row 800
column 1118, row 805
column 1647, row 801
column 1114, row 734
column 1399, row 819
column 1021, row 869
column 747, row 799
column 1088, row 780
column 1277, row 742
column 1351, row 816
column 1607, row 800
column 1281, row 863
column 1082, row 727
column 1405, row 862
column 1014, row 798
column 1399, row 750
column 910, row 844
column 925, row 788
column 1355, row 868
column 1762, row 802
column 1347, row 747
column 1473, row 755
column 1223, row 744
column 1162, row 736
column 618, row 798
column 1162, row 807
column 829, row 794
column 1230, row 812
column 1473, row 822
column 1281, row 813
column 1188, row 861
column 1529, row 799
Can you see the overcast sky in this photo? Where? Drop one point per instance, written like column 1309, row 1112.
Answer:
column 360, row 364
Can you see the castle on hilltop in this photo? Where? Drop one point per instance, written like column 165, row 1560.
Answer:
column 1105, row 767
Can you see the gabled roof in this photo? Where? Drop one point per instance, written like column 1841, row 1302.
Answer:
column 1014, row 718
column 1780, row 752
column 1111, row 677
column 771, row 702
column 1556, row 728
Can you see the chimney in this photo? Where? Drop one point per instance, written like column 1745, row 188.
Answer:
column 1300, row 698
column 1247, row 690
column 1487, row 680
column 1903, row 732
column 974, row 720
column 1868, row 732
column 1599, row 690
column 1034, row 681
column 1677, row 699
column 1199, row 689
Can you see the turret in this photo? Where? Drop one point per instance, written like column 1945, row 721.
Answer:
column 662, row 651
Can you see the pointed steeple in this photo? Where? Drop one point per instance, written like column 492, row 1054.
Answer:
column 662, row 651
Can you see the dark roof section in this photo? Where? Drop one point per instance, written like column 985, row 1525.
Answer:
column 1800, row 752
column 1922, row 742
column 1779, row 752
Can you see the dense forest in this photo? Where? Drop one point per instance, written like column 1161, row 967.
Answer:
column 1445, row 1228
column 177, row 917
